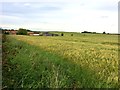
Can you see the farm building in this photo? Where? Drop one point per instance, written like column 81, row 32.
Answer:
column 12, row 32
column 30, row 33
column 49, row 34
column 33, row 33
column 46, row 34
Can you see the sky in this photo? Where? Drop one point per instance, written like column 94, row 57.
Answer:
column 60, row 15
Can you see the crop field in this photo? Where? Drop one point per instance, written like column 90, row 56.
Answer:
column 78, row 61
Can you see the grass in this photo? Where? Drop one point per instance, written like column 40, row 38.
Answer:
column 79, row 61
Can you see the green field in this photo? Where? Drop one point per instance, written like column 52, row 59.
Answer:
column 78, row 61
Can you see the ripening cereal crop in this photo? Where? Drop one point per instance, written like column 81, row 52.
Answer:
column 74, row 61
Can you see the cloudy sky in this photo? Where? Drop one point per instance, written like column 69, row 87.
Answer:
column 60, row 15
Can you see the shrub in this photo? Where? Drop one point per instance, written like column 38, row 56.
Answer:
column 22, row 31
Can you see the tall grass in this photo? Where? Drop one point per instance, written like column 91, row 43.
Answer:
column 32, row 62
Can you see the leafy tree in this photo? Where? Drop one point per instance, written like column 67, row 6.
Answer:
column 6, row 33
column 22, row 31
column 104, row 33
column 62, row 34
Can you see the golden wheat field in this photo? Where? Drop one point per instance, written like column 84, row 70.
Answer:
column 96, row 53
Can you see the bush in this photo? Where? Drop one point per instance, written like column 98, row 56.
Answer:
column 104, row 33
column 22, row 31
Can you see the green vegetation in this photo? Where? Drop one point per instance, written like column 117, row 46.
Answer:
column 78, row 61
column 22, row 31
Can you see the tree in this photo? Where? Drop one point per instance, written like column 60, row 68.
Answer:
column 6, row 33
column 62, row 34
column 104, row 33
column 22, row 31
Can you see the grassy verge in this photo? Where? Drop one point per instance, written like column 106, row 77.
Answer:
column 28, row 66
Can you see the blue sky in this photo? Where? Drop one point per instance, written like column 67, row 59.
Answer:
column 60, row 15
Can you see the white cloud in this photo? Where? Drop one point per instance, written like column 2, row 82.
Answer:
column 73, row 15
column 27, row 4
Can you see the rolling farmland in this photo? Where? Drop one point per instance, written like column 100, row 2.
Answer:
column 78, row 61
